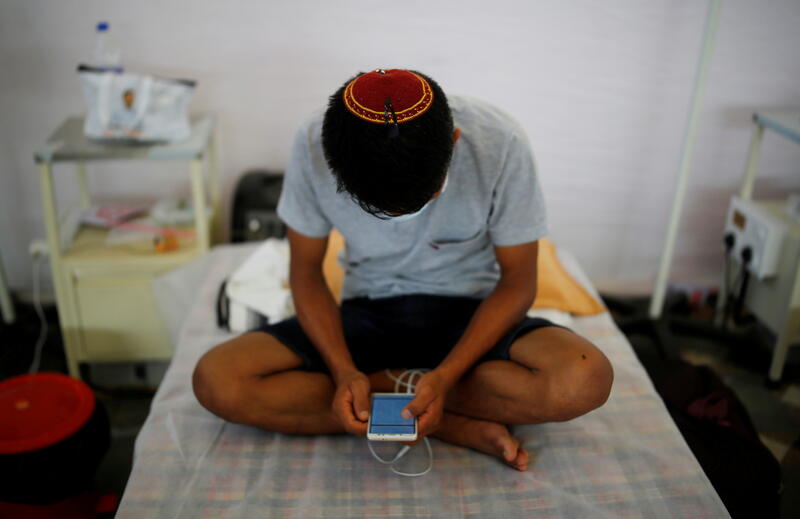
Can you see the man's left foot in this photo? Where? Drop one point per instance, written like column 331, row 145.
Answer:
column 484, row 436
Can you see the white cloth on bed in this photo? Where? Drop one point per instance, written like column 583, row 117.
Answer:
column 261, row 282
column 626, row 459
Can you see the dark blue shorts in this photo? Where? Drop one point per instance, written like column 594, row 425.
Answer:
column 412, row 331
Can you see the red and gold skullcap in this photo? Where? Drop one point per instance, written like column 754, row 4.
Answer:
column 370, row 96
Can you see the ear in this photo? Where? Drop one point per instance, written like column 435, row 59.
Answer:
column 456, row 135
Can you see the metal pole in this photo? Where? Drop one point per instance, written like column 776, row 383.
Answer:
column 6, row 305
column 746, row 191
column 199, row 202
column 659, row 293
column 83, row 185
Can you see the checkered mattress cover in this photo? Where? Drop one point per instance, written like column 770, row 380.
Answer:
column 624, row 460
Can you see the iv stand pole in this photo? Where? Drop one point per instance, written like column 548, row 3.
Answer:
column 659, row 293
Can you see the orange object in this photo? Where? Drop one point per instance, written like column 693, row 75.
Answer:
column 166, row 241
column 556, row 289
column 333, row 272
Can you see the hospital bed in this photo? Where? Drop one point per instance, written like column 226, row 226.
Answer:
column 626, row 459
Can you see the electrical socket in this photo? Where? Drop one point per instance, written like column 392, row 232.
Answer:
column 38, row 248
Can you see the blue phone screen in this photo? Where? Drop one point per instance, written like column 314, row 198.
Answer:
column 386, row 417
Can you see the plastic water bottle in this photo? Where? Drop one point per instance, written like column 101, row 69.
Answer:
column 107, row 56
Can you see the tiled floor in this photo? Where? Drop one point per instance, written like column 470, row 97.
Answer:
column 775, row 412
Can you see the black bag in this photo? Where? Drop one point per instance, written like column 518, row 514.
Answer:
column 721, row 435
column 254, row 207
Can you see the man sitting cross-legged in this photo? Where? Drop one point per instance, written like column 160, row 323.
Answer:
column 438, row 201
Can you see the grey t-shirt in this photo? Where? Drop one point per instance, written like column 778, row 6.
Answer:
column 492, row 198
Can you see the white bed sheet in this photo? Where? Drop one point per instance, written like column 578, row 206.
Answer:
column 626, row 459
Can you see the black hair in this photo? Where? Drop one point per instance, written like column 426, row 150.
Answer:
column 389, row 175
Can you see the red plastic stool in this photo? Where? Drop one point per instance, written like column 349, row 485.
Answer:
column 53, row 436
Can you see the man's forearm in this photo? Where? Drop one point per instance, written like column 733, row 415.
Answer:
column 319, row 316
column 503, row 308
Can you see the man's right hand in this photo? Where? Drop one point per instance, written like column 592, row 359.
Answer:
column 351, row 402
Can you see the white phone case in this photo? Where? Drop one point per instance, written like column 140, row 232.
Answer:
column 389, row 437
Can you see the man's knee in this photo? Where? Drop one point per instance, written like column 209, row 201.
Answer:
column 213, row 388
column 223, row 374
column 577, row 375
column 581, row 386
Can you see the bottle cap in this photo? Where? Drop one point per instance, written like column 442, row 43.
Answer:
column 102, row 26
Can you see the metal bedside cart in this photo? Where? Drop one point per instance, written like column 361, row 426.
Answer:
column 105, row 305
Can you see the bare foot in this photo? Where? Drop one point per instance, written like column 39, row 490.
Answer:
column 489, row 437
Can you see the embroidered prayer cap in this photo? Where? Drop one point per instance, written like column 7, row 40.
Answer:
column 371, row 96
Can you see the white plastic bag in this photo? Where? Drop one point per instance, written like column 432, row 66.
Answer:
column 258, row 291
column 135, row 107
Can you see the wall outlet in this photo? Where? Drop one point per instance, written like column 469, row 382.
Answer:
column 755, row 228
column 38, row 248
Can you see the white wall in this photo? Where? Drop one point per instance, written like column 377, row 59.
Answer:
column 601, row 87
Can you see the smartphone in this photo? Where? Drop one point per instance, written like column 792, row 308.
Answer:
column 385, row 421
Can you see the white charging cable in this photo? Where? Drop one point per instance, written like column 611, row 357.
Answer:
column 413, row 375
column 37, row 356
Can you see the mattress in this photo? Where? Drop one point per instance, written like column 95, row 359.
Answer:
column 624, row 460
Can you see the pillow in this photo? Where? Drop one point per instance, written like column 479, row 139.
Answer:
column 556, row 289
